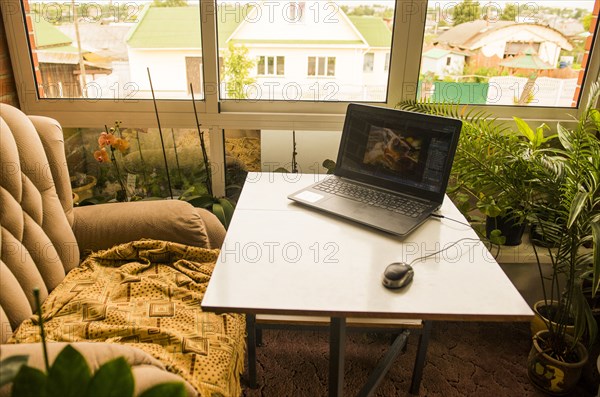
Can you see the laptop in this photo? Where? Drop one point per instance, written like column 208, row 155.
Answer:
column 392, row 169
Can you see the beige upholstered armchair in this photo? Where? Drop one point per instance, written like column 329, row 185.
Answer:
column 43, row 236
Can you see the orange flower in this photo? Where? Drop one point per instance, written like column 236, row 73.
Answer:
column 101, row 156
column 106, row 139
column 120, row 144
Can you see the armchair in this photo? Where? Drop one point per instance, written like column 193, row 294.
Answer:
column 43, row 237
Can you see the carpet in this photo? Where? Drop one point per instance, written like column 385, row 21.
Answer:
column 464, row 359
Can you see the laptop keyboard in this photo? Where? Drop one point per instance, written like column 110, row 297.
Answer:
column 372, row 197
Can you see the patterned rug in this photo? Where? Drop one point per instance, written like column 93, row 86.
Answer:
column 464, row 359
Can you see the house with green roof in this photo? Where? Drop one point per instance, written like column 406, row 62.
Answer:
column 443, row 62
column 301, row 50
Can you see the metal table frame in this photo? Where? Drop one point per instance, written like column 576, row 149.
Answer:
column 337, row 344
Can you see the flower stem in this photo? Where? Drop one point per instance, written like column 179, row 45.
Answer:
column 36, row 295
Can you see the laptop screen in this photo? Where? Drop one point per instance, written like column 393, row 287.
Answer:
column 402, row 151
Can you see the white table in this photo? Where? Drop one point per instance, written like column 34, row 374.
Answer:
column 280, row 258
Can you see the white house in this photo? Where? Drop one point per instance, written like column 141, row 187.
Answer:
column 303, row 50
column 505, row 38
column 443, row 62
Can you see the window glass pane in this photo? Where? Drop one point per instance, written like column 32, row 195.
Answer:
column 271, row 150
column 102, row 50
column 516, row 53
column 132, row 167
column 321, row 69
column 331, row 67
column 312, row 70
column 280, row 66
column 271, row 62
column 312, row 36
column 260, row 68
column 368, row 62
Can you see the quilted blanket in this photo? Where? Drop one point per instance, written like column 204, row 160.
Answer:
column 147, row 294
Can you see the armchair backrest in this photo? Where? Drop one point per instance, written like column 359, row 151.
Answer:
column 38, row 246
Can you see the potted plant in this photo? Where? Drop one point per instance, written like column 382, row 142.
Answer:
column 569, row 176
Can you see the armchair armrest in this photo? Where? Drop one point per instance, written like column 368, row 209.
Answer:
column 102, row 226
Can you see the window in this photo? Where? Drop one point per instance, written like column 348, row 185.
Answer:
column 368, row 62
column 270, row 66
column 103, row 51
column 317, row 65
column 510, row 53
column 321, row 66
column 313, row 37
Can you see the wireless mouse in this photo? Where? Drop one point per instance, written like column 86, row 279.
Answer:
column 397, row 275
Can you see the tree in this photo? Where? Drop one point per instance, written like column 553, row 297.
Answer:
column 587, row 21
column 510, row 12
column 236, row 71
column 466, row 11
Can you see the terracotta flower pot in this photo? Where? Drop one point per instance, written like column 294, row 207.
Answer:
column 83, row 189
column 539, row 321
column 553, row 376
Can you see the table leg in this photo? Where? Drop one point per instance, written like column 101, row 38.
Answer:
column 337, row 347
column 384, row 365
column 415, row 384
column 251, row 347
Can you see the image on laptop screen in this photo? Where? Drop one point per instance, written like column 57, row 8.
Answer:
column 398, row 149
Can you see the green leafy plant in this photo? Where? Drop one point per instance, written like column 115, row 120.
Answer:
column 571, row 182
column 70, row 376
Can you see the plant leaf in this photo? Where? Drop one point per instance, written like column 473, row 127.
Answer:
column 576, row 206
column 217, row 209
column 170, row 389
column 9, row 368
column 526, row 130
column 496, row 237
column 69, row 376
column 201, row 201
column 563, row 136
column 29, row 382
column 112, row 379
column 227, row 210
column 596, row 258
column 584, row 318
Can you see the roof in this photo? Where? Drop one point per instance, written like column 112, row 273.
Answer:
column 48, row 35
column 373, row 29
column 437, row 53
column 104, row 40
column 167, row 27
column 171, row 27
column 526, row 61
column 470, row 34
column 467, row 33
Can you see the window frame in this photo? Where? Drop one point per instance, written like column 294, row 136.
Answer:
column 407, row 38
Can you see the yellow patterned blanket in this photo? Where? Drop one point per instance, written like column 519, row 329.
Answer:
column 147, row 294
